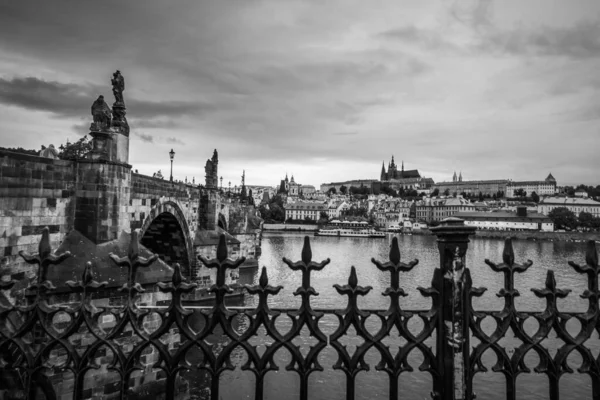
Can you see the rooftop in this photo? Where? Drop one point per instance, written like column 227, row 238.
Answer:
column 502, row 216
column 569, row 201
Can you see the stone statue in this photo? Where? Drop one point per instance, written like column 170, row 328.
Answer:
column 118, row 84
column 49, row 152
column 101, row 113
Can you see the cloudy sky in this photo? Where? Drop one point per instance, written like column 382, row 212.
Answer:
column 324, row 90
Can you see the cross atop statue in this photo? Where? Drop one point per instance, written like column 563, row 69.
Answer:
column 118, row 84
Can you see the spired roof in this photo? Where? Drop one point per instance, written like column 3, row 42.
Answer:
column 83, row 250
column 551, row 178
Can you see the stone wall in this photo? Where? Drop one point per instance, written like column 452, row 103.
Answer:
column 290, row 227
column 34, row 192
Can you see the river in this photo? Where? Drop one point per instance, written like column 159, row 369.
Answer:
column 347, row 252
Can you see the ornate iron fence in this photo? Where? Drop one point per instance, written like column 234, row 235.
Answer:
column 451, row 320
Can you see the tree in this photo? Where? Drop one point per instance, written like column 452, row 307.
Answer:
column 563, row 218
column 277, row 212
column 265, row 213
column 331, row 191
column 75, row 151
column 343, row 189
column 323, row 215
column 435, row 192
column 447, row 192
column 535, row 197
column 22, row 150
column 586, row 220
column 480, row 196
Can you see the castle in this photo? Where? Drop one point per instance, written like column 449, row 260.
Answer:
column 394, row 174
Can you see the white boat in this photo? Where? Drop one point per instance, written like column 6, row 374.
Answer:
column 367, row 233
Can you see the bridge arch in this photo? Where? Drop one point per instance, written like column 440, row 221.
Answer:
column 222, row 222
column 165, row 231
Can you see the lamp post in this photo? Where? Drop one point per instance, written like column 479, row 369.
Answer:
column 221, row 184
column 172, row 155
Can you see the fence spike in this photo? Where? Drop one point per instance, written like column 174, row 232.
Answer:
column 508, row 255
column 306, row 251
column 222, row 248
column 591, row 255
column 395, row 251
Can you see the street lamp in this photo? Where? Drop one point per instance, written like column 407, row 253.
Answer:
column 172, row 155
column 221, row 184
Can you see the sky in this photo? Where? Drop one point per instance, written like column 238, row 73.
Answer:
column 322, row 90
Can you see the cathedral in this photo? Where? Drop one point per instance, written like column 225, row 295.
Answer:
column 393, row 173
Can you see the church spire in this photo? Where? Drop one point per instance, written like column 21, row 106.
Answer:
column 460, row 177
column 454, row 177
column 402, row 165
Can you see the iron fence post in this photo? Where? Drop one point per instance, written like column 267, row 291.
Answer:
column 453, row 321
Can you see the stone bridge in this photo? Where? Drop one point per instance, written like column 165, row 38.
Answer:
column 103, row 200
column 92, row 205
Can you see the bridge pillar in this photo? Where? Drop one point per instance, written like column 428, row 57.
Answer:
column 102, row 194
column 453, row 319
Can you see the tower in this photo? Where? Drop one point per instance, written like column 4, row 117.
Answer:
column 382, row 177
column 454, row 177
column 460, row 177
column 211, row 169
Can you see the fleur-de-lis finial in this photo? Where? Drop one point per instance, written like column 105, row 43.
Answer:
column 132, row 262
column 306, row 266
column 591, row 269
column 177, row 287
column 44, row 258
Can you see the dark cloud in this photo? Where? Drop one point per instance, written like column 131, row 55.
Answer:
column 74, row 100
column 473, row 13
column 145, row 137
column 63, row 99
column 81, row 129
column 174, row 140
column 423, row 38
column 152, row 123
column 579, row 41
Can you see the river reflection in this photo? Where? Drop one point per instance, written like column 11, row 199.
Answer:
column 347, row 252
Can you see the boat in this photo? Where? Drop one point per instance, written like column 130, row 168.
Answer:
column 366, row 233
column 202, row 295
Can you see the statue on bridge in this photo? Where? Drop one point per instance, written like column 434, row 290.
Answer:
column 102, row 115
column 118, row 84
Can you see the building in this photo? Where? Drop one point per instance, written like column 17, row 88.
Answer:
column 303, row 209
column 574, row 204
column 437, row 209
column 547, row 187
column 521, row 220
column 391, row 213
column 401, row 179
column 458, row 186
column 581, row 193
column 335, row 208
column 307, row 190
column 393, row 173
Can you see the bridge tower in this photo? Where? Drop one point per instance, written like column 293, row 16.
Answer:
column 104, row 178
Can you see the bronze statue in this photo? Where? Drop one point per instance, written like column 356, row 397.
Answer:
column 118, row 84
column 101, row 113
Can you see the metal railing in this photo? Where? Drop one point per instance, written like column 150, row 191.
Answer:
column 451, row 321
